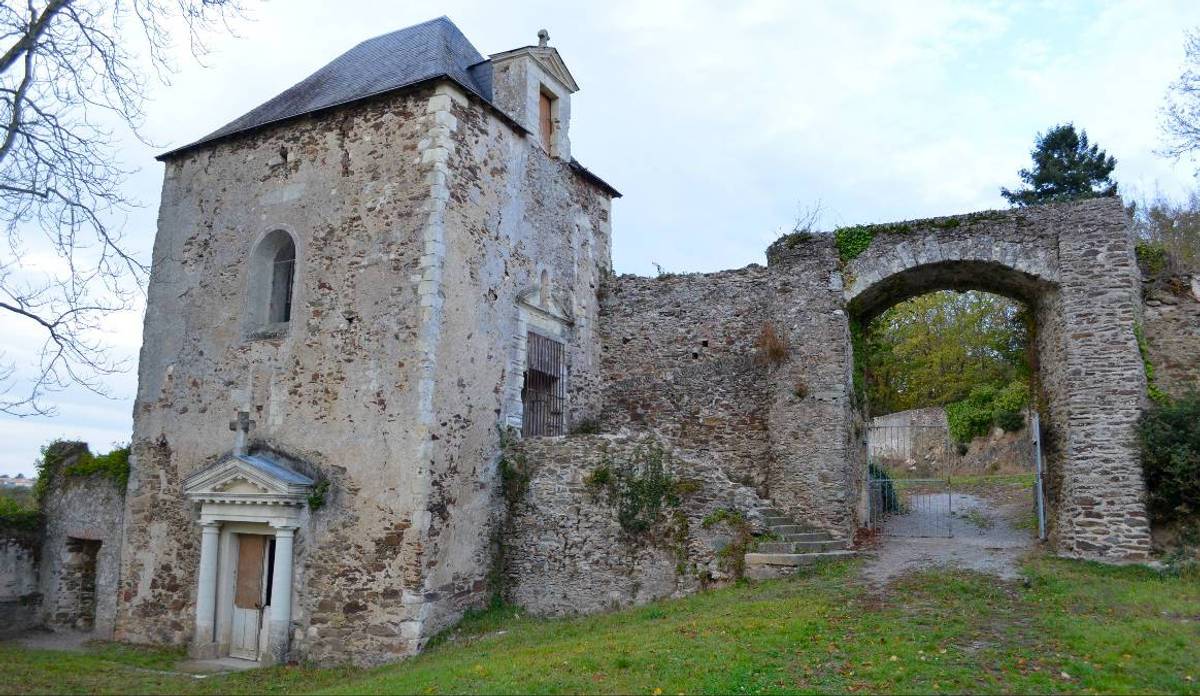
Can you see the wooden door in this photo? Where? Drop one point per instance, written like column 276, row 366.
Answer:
column 248, row 596
column 546, row 121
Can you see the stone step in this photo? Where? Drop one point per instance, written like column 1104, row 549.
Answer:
column 793, row 559
column 802, row 536
column 782, row 529
column 770, row 520
column 800, row 546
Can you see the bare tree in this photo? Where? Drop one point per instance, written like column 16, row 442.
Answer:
column 1181, row 113
column 72, row 73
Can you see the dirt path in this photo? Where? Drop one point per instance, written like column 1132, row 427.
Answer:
column 985, row 539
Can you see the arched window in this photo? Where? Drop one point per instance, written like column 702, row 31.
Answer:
column 283, row 274
column 271, row 285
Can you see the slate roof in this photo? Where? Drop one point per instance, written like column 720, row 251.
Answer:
column 274, row 469
column 402, row 58
column 431, row 50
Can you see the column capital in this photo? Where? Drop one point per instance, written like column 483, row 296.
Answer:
column 210, row 526
column 284, row 531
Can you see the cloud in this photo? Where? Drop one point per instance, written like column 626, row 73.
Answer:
column 717, row 119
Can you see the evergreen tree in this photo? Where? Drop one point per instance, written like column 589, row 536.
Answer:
column 1065, row 168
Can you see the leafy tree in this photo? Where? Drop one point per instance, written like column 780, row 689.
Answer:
column 1065, row 168
column 1181, row 112
column 936, row 348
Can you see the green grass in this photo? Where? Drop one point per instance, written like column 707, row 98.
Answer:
column 1072, row 626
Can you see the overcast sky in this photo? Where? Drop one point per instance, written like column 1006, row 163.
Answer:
column 718, row 120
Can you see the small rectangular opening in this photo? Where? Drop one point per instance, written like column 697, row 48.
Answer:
column 543, row 395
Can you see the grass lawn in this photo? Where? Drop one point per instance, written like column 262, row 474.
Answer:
column 1073, row 626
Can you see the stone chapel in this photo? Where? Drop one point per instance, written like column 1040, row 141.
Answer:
column 352, row 285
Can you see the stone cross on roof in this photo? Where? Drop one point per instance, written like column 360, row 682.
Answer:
column 241, row 425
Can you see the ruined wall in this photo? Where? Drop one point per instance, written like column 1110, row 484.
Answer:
column 20, row 600
column 679, row 353
column 1073, row 263
column 80, row 554
column 336, row 389
column 1171, row 319
column 817, row 432
column 564, row 550
column 513, row 217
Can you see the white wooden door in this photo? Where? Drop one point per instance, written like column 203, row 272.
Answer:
column 248, row 596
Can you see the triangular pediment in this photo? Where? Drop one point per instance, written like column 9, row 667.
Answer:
column 548, row 59
column 546, row 304
column 247, row 479
column 552, row 63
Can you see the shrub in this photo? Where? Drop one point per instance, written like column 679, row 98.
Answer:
column 889, row 500
column 972, row 417
column 15, row 516
column 1170, row 441
column 640, row 487
column 772, row 349
column 987, row 407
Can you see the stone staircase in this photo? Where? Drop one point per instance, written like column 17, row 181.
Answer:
column 791, row 545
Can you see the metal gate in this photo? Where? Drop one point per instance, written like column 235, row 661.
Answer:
column 918, row 482
column 908, row 480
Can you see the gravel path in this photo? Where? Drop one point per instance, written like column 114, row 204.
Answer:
column 984, row 540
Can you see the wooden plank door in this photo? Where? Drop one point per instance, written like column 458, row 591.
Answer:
column 248, row 596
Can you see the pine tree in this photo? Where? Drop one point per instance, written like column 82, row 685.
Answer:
column 1065, row 168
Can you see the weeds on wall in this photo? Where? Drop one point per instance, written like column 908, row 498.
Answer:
column 1156, row 394
column 316, row 496
column 854, row 240
column 732, row 558
column 640, row 488
column 770, row 348
column 513, row 469
column 72, row 458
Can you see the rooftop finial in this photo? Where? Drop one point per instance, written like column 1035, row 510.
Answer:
column 543, row 38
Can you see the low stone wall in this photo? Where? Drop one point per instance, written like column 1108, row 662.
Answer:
column 20, row 601
column 564, row 550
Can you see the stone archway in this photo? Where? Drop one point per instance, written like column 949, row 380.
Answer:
column 1072, row 263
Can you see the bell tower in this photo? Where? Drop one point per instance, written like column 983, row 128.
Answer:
column 532, row 85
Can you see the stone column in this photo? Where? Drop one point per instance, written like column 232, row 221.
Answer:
column 203, row 645
column 280, row 629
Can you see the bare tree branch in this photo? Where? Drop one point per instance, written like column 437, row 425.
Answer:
column 1180, row 116
column 69, row 69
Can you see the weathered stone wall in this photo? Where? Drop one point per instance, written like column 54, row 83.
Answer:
column 680, row 355
column 565, row 552
column 81, row 538
column 1171, row 319
column 818, row 438
column 515, row 218
column 419, row 219
column 20, row 600
column 336, row 389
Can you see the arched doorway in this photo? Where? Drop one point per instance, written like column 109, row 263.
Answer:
column 1072, row 263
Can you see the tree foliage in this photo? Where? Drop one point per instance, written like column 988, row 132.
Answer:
column 1170, row 439
column 932, row 350
column 71, row 73
column 1169, row 235
column 1066, row 167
